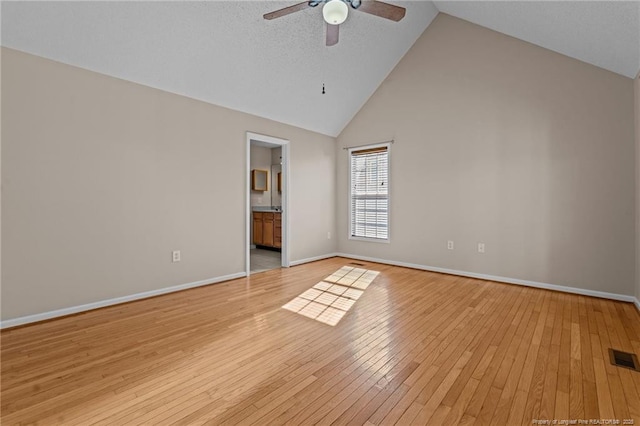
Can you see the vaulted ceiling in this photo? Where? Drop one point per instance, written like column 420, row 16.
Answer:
column 225, row 53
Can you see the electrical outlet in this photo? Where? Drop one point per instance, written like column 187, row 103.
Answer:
column 450, row 245
column 480, row 247
column 176, row 256
column 329, row 235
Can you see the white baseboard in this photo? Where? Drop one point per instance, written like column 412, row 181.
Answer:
column 312, row 259
column 109, row 302
column 565, row 289
column 95, row 305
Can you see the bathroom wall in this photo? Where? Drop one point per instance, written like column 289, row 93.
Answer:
column 261, row 160
column 276, row 159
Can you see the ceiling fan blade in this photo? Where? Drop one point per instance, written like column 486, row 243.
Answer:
column 332, row 34
column 286, row 11
column 383, row 10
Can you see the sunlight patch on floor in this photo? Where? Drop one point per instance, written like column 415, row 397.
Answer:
column 329, row 300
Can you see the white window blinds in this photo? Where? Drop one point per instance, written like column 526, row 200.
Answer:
column 369, row 168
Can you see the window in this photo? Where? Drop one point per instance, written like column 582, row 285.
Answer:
column 369, row 203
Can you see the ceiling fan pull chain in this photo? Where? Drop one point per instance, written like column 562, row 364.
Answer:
column 323, row 88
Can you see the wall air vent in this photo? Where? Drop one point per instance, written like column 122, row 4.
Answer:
column 624, row 359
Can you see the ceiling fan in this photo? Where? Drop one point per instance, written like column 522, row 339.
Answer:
column 335, row 12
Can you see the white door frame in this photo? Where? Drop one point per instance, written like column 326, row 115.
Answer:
column 285, row 197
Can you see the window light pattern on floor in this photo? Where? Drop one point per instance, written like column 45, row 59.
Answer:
column 329, row 300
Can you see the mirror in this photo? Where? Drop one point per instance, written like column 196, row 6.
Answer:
column 276, row 185
column 259, row 180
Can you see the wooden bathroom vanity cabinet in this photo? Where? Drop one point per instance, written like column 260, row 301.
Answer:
column 267, row 229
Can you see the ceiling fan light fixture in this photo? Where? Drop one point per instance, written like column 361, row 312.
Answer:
column 335, row 12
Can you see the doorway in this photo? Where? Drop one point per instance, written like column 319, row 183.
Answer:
column 267, row 203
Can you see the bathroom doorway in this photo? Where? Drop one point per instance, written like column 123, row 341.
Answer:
column 267, row 203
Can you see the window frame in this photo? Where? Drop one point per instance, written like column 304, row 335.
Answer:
column 363, row 148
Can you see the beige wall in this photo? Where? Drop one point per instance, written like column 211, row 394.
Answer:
column 0, row 183
column 103, row 178
column 636, row 91
column 502, row 142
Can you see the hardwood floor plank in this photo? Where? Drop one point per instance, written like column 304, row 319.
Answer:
column 523, row 349
column 428, row 377
column 548, row 402
column 517, row 410
column 480, row 402
column 496, row 409
column 590, row 398
column 536, row 389
column 460, row 404
column 431, row 405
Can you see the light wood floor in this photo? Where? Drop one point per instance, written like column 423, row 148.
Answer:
column 417, row 347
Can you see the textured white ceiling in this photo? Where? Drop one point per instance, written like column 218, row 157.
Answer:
column 602, row 33
column 223, row 52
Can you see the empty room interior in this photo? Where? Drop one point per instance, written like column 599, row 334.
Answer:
column 347, row 212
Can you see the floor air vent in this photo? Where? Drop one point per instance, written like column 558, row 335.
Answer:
column 624, row 359
column 356, row 263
